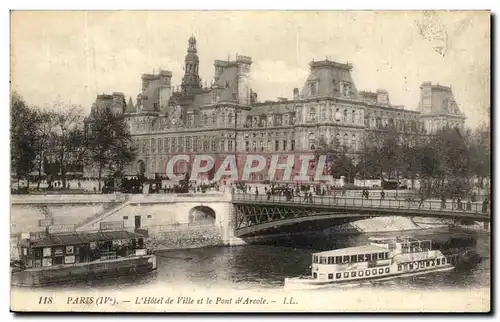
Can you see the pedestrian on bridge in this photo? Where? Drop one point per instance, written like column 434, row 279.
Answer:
column 256, row 193
column 382, row 195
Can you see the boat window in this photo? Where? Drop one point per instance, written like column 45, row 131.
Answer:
column 399, row 268
column 346, row 259
column 360, row 273
column 387, row 270
column 315, row 259
column 448, row 260
column 381, row 271
column 411, row 265
column 433, row 263
column 427, row 263
column 386, row 255
column 338, row 259
column 367, row 273
column 361, row 258
column 367, row 257
column 330, row 276
column 374, row 271
column 443, row 261
column 315, row 275
column 381, row 256
column 338, row 275
column 422, row 264
column 330, row 260
column 438, row 261
column 346, row 275
column 354, row 259
column 47, row 262
column 322, row 260
column 57, row 260
column 353, row 274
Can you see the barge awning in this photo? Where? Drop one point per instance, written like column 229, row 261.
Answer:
column 83, row 238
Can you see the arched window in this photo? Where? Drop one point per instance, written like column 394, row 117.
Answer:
column 222, row 118
column 222, row 145
column 312, row 113
column 346, row 116
column 354, row 142
column 214, row 119
column 337, row 115
column 230, row 119
column 323, row 112
column 269, row 145
column 346, row 140
column 312, row 141
column 205, row 119
column 353, row 118
column 254, row 146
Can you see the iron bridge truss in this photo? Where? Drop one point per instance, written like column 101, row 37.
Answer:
column 251, row 215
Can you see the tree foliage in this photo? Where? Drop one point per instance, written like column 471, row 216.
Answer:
column 109, row 142
column 23, row 136
column 52, row 142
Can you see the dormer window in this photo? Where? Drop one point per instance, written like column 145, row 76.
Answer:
column 313, row 89
column 312, row 113
column 346, row 90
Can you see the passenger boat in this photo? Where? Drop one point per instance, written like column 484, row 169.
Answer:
column 47, row 258
column 381, row 259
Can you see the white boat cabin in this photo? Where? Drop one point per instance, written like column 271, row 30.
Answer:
column 402, row 245
column 368, row 261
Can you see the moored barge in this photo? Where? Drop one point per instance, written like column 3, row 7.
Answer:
column 49, row 258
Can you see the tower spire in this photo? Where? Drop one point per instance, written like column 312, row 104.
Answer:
column 191, row 79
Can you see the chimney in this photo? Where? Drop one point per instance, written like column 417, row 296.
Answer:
column 295, row 94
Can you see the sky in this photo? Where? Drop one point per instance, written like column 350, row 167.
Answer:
column 71, row 56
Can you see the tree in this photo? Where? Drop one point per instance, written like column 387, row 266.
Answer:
column 23, row 137
column 67, row 144
column 338, row 160
column 480, row 152
column 44, row 134
column 109, row 141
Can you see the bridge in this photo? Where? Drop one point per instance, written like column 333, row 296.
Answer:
column 258, row 214
column 235, row 218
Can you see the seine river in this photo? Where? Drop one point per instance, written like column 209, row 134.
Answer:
column 266, row 266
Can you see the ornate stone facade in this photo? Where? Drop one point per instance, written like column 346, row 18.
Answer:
column 226, row 118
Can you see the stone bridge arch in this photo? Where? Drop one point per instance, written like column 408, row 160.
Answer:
column 202, row 214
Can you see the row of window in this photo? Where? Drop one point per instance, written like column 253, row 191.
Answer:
column 399, row 125
column 347, row 116
column 350, row 259
column 354, row 274
column 271, row 120
column 428, row 263
column 277, row 146
column 184, row 144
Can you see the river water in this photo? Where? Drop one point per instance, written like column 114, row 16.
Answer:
column 265, row 266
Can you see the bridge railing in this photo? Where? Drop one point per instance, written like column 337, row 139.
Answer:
column 386, row 203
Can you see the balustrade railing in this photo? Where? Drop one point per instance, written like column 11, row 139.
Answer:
column 358, row 202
